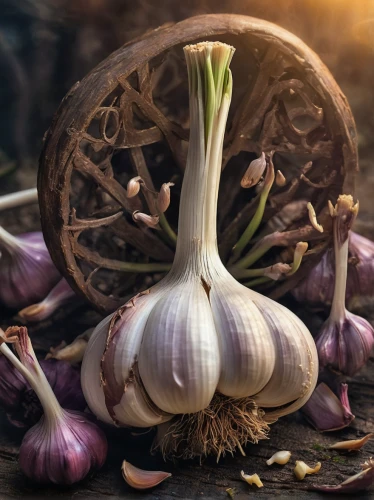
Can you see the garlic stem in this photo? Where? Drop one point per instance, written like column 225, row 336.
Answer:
column 263, row 246
column 300, row 250
column 257, row 218
column 257, row 281
column 30, row 368
column 343, row 215
column 170, row 234
column 18, row 199
column 8, row 242
column 210, row 84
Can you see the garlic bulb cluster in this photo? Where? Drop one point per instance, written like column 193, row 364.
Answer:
column 199, row 343
column 27, row 272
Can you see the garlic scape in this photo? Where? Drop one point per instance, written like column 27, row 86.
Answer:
column 64, row 445
column 199, row 344
column 345, row 339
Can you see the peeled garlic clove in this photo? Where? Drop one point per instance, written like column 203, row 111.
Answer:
column 280, row 457
column 351, row 444
column 142, row 479
column 302, row 469
column 254, row 479
column 74, row 352
column 254, row 172
column 280, row 179
column 361, row 481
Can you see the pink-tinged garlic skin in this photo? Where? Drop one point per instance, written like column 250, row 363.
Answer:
column 345, row 345
column 63, row 453
column 27, row 272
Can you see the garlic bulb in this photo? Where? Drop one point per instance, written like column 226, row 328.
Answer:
column 27, row 272
column 199, row 343
column 64, row 446
column 345, row 339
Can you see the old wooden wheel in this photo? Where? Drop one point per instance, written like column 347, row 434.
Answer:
column 129, row 117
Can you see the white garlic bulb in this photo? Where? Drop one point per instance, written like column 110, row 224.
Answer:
column 199, row 332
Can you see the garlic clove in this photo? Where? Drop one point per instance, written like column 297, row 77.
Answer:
column 117, row 388
column 142, row 479
column 293, row 343
column 74, row 352
column 280, row 179
column 59, row 295
column 238, row 320
column 163, row 198
column 181, row 376
column 351, row 444
column 148, row 220
column 254, row 479
column 254, row 172
column 280, row 457
column 325, row 411
column 302, row 469
column 133, row 186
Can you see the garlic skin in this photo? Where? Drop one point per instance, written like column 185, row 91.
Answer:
column 199, row 332
column 325, row 411
column 62, row 453
column 27, row 272
column 58, row 296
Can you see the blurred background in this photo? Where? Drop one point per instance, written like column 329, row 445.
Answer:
column 47, row 45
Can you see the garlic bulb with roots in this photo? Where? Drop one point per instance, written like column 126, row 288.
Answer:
column 199, row 344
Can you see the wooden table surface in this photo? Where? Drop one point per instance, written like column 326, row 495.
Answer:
column 190, row 480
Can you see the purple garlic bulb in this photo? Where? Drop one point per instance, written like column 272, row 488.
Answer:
column 62, row 448
column 345, row 344
column 345, row 339
column 27, row 272
column 19, row 400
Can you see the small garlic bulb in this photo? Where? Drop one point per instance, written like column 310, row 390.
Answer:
column 199, row 340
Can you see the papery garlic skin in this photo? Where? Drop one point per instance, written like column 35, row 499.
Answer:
column 63, row 453
column 198, row 332
column 27, row 272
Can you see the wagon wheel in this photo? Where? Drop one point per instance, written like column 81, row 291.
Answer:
column 129, row 117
